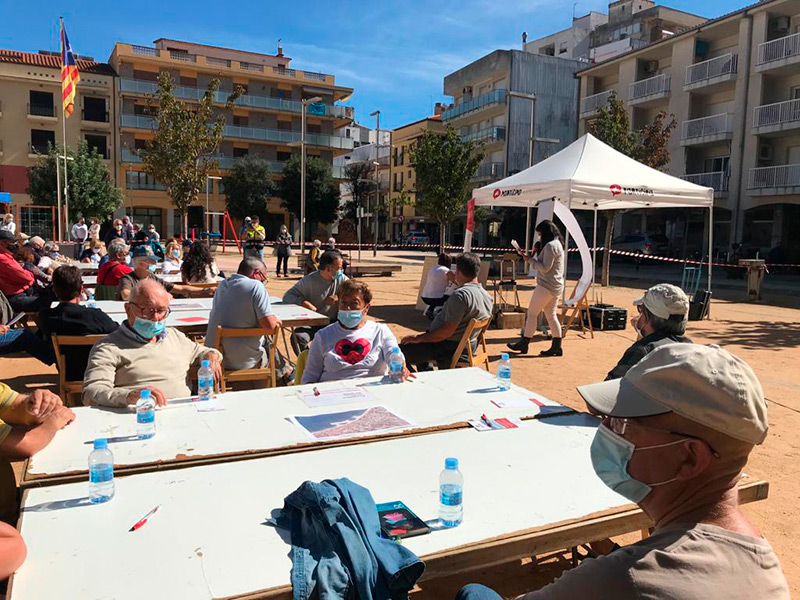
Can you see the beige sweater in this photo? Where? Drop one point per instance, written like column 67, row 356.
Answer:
column 122, row 362
column 549, row 265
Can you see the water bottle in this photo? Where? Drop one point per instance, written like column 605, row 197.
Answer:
column 205, row 380
column 91, row 302
column 451, row 487
column 145, row 416
column 396, row 363
column 504, row 373
column 101, row 472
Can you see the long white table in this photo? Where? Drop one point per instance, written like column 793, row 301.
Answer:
column 210, row 539
column 254, row 422
column 291, row 315
column 178, row 304
column 90, row 280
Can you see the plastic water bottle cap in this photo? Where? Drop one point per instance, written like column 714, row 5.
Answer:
column 101, row 444
column 205, row 362
column 395, row 350
column 144, row 394
column 504, row 356
column 451, row 463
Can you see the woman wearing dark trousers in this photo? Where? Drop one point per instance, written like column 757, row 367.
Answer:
column 283, row 247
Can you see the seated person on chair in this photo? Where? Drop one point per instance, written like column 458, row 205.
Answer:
column 662, row 319
column 469, row 301
column 143, row 353
column 17, row 283
column 242, row 302
column 353, row 346
column 436, row 284
column 111, row 271
column 69, row 317
column 21, row 339
column 677, row 432
column 144, row 267
column 317, row 291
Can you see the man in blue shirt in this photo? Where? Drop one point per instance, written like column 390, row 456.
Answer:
column 242, row 302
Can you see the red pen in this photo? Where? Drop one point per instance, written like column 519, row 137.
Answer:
column 144, row 519
column 317, row 392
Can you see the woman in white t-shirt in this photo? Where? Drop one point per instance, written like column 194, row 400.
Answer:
column 352, row 347
column 172, row 258
column 434, row 293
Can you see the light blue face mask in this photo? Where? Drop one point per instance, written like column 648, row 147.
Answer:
column 339, row 275
column 611, row 454
column 350, row 318
column 148, row 329
column 151, row 268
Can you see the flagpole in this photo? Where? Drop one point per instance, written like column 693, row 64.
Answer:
column 64, row 130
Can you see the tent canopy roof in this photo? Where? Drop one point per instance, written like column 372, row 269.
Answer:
column 589, row 174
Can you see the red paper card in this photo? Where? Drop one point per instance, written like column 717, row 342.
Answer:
column 192, row 319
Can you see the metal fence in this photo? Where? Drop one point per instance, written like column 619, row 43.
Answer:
column 649, row 87
column 726, row 64
column 713, row 125
column 781, row 48
column 777, row 114
column 770, row 177
column 37, row 220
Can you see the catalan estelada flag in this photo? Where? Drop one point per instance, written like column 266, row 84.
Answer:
column 69, row 73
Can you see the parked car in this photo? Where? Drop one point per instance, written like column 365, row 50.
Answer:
column 416, row 238
column 656, row 244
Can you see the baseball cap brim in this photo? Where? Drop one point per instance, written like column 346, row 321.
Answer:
column 619, row 398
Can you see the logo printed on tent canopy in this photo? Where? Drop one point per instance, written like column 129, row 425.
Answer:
column 616, row 190
column 512, row 192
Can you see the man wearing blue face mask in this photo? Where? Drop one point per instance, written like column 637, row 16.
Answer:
column 319, row 292
column 677, row 432
column 144, row 354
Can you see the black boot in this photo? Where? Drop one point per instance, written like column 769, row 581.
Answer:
column 521, row 345
column 555, row 349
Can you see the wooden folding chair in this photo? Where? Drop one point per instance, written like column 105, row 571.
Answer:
column 579, row 311
column 65, row 387
column 266, row 374
column 481, row 354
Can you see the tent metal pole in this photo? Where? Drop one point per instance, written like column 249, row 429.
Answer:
column 710, row 250
column 594, row 253
column 566, row 253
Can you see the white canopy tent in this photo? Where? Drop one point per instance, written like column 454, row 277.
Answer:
column 590, row 175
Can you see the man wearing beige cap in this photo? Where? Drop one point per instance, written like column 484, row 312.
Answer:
column 677, row 432
column 663, row 315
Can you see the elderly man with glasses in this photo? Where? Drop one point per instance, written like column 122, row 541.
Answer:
column 144, row 354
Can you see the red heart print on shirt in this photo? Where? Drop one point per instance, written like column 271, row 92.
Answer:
column 353, row 352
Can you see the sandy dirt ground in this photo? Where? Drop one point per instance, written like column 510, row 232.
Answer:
column 766, row 336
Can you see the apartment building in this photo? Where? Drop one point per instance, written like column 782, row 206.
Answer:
column 733, row 85
column 31, row 118
column 629, row 24
column 493, row 98
column 405, row 217
column 379, row 176
column 265, row 121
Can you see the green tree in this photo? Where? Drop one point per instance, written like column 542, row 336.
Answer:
column 91, row 191
column 359, row 181
column 186, row 135
column 648, row 145
column 445, row 166
column 322, row 193
column 249, row 187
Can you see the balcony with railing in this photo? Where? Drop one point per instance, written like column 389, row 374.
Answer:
column 137, row 86
column 488, row 135
column 490, row 170
column 246, row 66
column 717, row 180
column 715, row 70
column 137, row 121
column 38, row 111
column 183, row 56
column 648, row 90
column 490, row 99
column 778, row 53
column 129, row 156
column 591, row 105
column 707, row 130
column 218, row 62
column 770, row 180
column 779, row 116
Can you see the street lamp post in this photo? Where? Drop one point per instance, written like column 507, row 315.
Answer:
column 305, row 102
column 62, row 235
column 208, row 219
column 377, row 115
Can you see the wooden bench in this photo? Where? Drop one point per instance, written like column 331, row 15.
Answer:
column 383, row 269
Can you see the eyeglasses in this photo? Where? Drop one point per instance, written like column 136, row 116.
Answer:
column 619, row 426
column 154, row 314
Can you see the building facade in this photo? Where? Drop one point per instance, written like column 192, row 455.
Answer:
column 31, row 116
column 265, row 121
column 573, row 42
column 733, row 85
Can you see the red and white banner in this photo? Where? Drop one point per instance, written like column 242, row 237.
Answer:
column 470, row 225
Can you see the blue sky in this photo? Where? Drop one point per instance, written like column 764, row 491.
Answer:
column 395, row 54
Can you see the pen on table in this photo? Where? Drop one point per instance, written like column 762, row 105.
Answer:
column 488, row 422
column 317, row 392
column 144, row 519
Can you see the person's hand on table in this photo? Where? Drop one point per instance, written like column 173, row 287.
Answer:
column 61, row 417
column 215, row 364
column 410, row 339
column 407, row 374
column 156, row 394
column 42, row 403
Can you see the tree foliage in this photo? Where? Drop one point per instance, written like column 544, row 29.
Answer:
column 649, row 145
column 249, row 187
column 445, row 166
column 91, row 191
column 186, row 135
column 359, row 182
column 322, row 193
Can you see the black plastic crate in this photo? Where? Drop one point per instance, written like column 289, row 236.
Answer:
column 606, row 317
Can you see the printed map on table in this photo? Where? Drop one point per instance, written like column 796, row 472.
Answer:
column 350, row 423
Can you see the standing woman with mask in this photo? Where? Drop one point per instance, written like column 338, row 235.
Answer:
column 283, row 250
column 548, row 261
